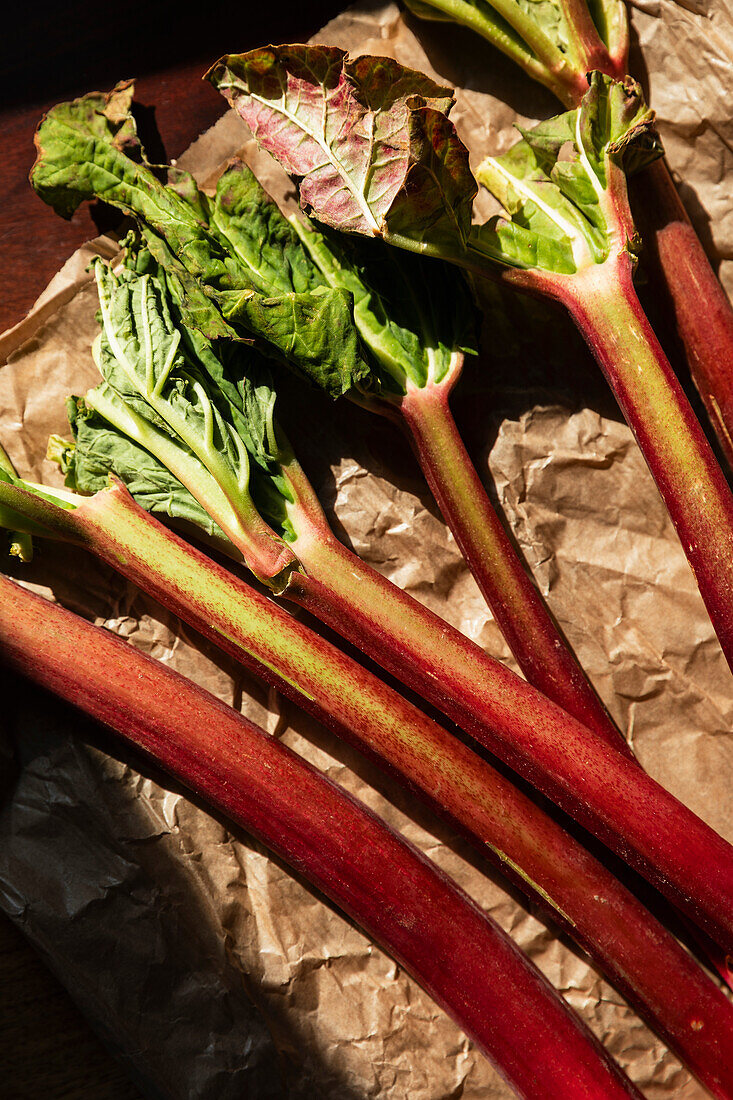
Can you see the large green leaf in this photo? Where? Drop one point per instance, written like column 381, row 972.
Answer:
column 259, row 235
column 207, row 414
column 88, row 149
column 312, row 332
column 144, row 358
column 563, row 185
column 417, row 318
column 368, row 139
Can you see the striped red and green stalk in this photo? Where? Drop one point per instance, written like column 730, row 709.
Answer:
column 457, row 677
column 637, row 953
column 545, row 659
column 523, row 617
column 408, row 906
column 421, row 407
column 703, row 311
column 604, row 305
column 585, row 775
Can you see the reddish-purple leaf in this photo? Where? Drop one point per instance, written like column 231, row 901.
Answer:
column 368, row 139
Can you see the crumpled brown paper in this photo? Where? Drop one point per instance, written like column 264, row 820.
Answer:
column 210, row 970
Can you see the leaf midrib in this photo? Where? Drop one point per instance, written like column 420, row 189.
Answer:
column 326, row 149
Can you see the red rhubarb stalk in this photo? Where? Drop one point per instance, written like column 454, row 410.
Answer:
column 461, row 957
column 519, row 610
column 606, row 309
column 419, row 403
column 702, row 309
column 644, row 961
column 607, row 793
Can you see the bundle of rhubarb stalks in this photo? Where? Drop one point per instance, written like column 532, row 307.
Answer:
column 225, row 334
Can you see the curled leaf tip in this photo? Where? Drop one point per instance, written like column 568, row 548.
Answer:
column 563, row 186
column 60, row 175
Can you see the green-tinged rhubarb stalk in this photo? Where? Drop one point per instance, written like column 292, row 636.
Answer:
column 593, row 35
column 557, row 43
column 567, row 234
column 411, row 316
column 387, row 624
column 411, row 908
column 542, row 859
column 410, row 341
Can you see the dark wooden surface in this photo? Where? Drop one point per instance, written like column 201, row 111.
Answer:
column 51, row 53
column 46, row 1047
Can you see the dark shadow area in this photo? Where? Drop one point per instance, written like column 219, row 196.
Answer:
column 637, row 66
column 57, row 52
column 464, row 59
column 118, row 860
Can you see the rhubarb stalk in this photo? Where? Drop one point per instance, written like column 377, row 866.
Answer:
column 606, row 792
column 567, row 229
column 691, row 483
column 335, row 585
column 467, row 964
column 585, row 41
column 644, row 961
column 556, row 45
column 411, row 317
column 517, row 606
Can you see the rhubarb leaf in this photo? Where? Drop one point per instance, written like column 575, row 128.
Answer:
column 296, row 310
column 563, row 185
column 143, row 357
column 98, row 450
column 312, row 332
column 169, row 391
column 259, row 235
column 417, row 319
column 88, row 149
column 197, row 308
column 368, row 140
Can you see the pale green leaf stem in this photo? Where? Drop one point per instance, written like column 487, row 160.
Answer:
column 556, row 42
column 156, row 395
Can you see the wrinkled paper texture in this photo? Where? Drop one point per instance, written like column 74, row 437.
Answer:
column 206, row 966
